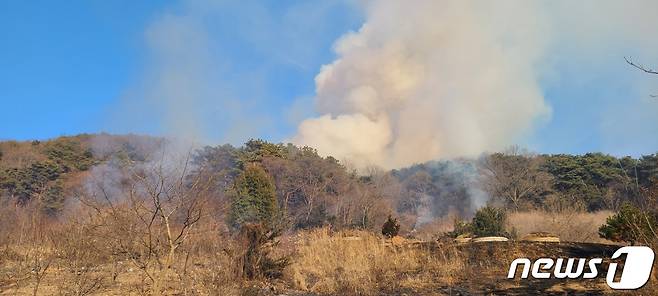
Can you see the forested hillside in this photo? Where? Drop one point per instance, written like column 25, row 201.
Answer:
column 142, row 215
column 317, row 191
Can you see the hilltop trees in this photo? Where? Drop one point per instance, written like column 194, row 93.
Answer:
column 308, row 186
column 302, row 189
column 36, row 171
column 220, row 161
column 69, row 154
column 434, row 189
column 589, row 177
column 647, row 170
column 515, row 178
column 25, row 184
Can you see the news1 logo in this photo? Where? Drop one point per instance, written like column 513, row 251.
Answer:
column 636, row 271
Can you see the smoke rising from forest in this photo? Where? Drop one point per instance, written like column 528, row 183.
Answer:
column 429, row 80
column 440, row 79
column 416, row 82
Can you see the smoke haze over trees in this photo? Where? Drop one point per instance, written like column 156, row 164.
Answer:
column 313, row 191
column 148, row 203
column 417, row 89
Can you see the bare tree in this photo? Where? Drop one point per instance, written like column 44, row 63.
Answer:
column 152, row 214
column 305, row 184
column 514, row 176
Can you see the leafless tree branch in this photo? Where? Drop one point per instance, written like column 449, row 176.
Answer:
column 641, row 67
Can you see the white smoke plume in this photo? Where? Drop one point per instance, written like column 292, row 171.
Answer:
column 424, row 80
column 420, row 80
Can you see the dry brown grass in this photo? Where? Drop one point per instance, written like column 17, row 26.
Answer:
column 435, row 228
column 360, row 263
column 573, row 226
column 84, row 260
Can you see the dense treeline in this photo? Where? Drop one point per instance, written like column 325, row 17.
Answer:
column 594, row 181
column 46, row 172
column 37, row 171
column 311, row 190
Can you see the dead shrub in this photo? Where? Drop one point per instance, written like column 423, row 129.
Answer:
column 81, row 261
column 391, row 227
column 257, row 242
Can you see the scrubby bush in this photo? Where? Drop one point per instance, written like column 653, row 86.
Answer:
column 630, row 224
column 489, row 221
column 391, row 227
column 461, row 227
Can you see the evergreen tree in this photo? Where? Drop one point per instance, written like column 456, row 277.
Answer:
column 630, row 224
column 254, row 197
column 489, row 221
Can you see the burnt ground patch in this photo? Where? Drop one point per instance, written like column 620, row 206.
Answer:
column 488, row 264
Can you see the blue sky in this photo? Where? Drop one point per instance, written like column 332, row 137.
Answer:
column 69, row 67
column 62, row 65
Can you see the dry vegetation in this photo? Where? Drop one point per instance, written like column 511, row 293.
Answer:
column 571, row 226
column 360, row 263
column 80, row 257
column 129, row 220
column 57, row 258
column 76, row 258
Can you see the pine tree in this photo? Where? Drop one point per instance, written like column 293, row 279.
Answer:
column 254, row 197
